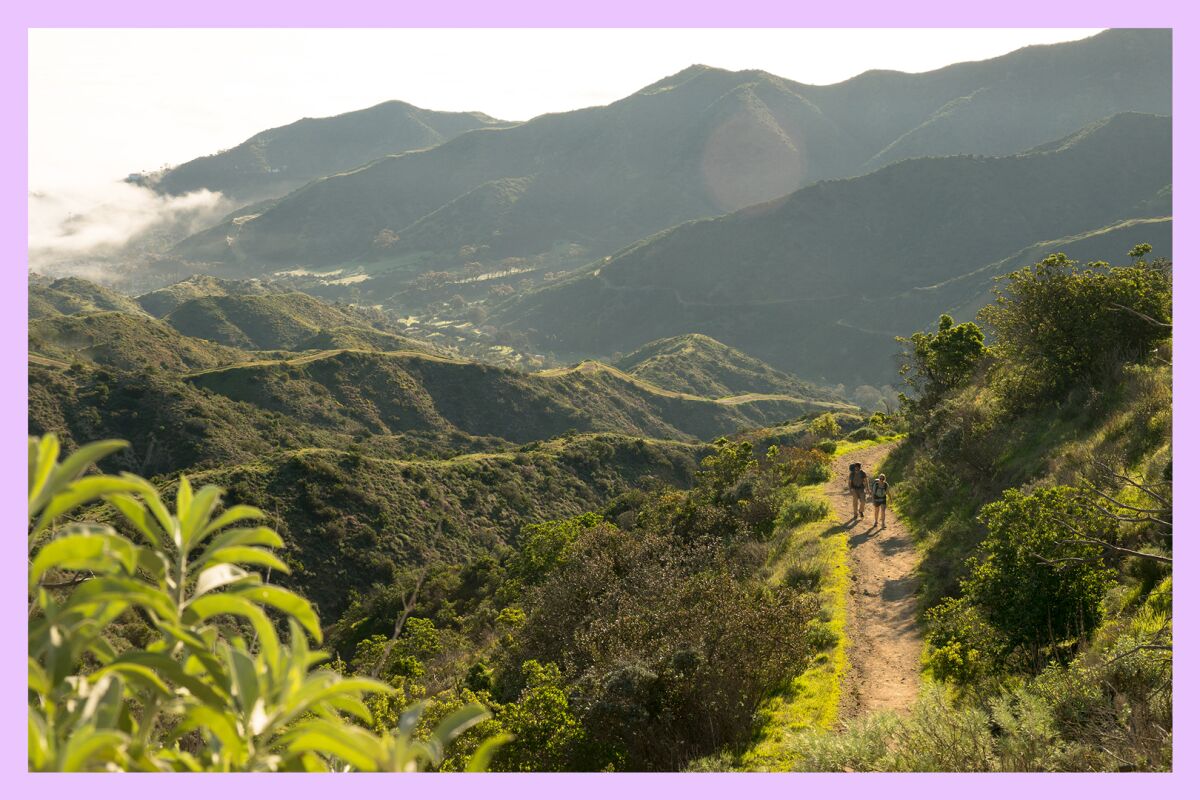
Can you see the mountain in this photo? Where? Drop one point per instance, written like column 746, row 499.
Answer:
column 696, row 144
column 700, row 365
column 821, row 281
column 76, row 296
column 275, row 161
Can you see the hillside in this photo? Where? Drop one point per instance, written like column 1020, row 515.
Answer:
column 275, row 161
column 125, row 342
column 700, row 365
column 850, row 263
column 699, row 143
column 388, row 393
column 161, row 302
column 281, row 321
column 76, row 296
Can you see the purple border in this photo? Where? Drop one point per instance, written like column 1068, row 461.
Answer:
column 18, row 16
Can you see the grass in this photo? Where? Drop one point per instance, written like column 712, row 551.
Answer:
column 811, row 700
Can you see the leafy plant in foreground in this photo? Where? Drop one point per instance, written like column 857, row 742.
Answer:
column 197, row 696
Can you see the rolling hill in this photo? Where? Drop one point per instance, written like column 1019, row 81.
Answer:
column 700, row 365
column 820, row 282
column 273, row 162
column 76, row 296
column 696, row 144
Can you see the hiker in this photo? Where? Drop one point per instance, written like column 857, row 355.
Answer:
column 879, row 493
column 858, row 491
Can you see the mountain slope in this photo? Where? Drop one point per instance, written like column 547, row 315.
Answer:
column 76, row 296
column 834, row 265
column 125, row 341
column 276, row 161
column 699, row 143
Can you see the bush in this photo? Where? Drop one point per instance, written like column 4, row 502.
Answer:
column 827, row 446
column 1057, row 325
column 193, row 694
column 798, row 509
column 1040, row 580
column 805, row 577
column 863, row 434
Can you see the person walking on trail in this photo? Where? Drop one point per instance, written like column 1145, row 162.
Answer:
column 858, row 491
column 879, row 495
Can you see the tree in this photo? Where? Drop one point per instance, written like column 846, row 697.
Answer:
column 1057, row 324
column 934, row 364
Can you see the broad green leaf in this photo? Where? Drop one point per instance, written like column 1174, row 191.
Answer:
column 99, row 551
column 249, row 555
column 230, row 516
column 481, row 759
column 143, row 521
column 130, row 590
column 239, row 537
column 43, row 458
column 194, row 521
column 288, row 602
column 87, row 744
column 80, row 493
column 40, row 754
column 349, row 743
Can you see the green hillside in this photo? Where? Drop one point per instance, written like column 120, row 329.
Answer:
column 280, row 321
column 161, row 302
column 700, row 365
column 849, row 263
column 384, row 393
column 76, row 296
column 273, row 162
column 125, row 342
column 702, row 142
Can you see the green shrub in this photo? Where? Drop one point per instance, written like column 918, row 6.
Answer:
column 805, row 577
column 798, row 509
column 827, row 446
column 863, row 434
column 196, row 696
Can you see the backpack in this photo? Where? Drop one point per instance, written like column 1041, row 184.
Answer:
column 879, row 489
column 858, row 478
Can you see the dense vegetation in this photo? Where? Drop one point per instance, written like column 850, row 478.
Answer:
column 135, row 658
column 1037, row 473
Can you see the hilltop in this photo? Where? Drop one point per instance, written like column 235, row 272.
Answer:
column 273, row 162
column 696, row 144
column 698, row 364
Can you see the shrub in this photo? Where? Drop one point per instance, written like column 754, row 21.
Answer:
column 863, row 434
column 1041, row 577
column 827, row 446
column 196, row 695
column 797, row 509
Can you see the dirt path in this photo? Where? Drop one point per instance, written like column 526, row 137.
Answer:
column 881, row 613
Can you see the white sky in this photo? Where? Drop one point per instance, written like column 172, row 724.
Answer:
column 104, row 103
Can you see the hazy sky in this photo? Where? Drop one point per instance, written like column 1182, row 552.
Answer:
column 104, row 103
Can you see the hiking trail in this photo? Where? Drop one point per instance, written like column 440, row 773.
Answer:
column 883, row 637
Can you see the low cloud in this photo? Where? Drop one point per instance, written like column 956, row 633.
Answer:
column 114, row 219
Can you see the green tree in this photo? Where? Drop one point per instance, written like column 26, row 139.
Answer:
column 936, row 363
column 1057, row 324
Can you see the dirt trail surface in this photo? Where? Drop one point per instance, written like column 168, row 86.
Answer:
column 881, row 613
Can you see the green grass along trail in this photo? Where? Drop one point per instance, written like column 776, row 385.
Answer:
column 883, row 671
